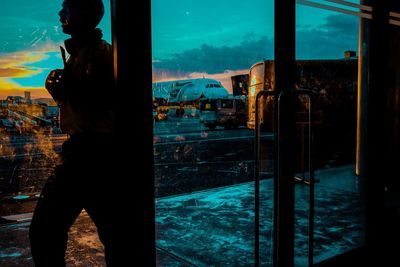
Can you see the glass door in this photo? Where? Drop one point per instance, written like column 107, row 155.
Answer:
column 329, row 213
column 246, row 165
column 204, row 156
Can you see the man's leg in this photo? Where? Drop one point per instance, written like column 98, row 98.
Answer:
column 54, row 214
column 108, row 206
column 113, row 233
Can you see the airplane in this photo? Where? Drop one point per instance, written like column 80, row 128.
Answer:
column 188, row 91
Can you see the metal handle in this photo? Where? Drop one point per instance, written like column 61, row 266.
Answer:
column 311, row 181
column 257, row 176
column 309, row 93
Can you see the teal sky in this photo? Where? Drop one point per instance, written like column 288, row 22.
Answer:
column 212, row 37
column 188, row 36
column 217, row 23
column 29, row 44
column 33, row 25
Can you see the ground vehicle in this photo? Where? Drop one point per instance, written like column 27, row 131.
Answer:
column 240, row 84
column 228, row 112
column 334, row 83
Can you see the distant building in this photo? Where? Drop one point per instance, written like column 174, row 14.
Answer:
column 350, row 54
column 28, row 99
column 47, row 101
column 15, row 100
column 27, row 95
column 3, row 103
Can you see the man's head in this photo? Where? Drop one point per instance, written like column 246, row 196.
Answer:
column 80, row 16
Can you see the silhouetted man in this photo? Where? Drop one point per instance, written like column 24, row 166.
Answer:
column 88, row 176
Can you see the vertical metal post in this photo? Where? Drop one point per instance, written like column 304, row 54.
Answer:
column 132, row 58
column 373, row 110
column 285, row 71
column 383, row 145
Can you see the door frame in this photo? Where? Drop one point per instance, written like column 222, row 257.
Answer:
column 285, row 32
column 131, row 40
column 128, row 63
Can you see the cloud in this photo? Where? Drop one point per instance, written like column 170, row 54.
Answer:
column 20, row 58
column 343, row 24
column 13, row 65
column 211, row 59
column 17, row 66
column 16, row 72
column 329, row 40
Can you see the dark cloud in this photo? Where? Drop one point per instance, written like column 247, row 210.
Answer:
column 344, row 24
column 211, row 59
column 328, row 41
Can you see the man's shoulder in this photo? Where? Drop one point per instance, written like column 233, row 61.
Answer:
column 103, row 46
column 102, row 52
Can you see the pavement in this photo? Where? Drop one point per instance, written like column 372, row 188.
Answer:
column 84, row 247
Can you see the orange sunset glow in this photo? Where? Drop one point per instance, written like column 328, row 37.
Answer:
column 21, row 71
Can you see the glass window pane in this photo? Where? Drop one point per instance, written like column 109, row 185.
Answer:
column 203, row 148
column 327, row 61
column 30, row 132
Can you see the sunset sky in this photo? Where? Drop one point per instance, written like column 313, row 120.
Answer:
column 191, row 38
column 29, row 44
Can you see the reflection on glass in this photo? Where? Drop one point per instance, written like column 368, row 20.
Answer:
column 330, row 70
column 30, row 136
column 29, row 118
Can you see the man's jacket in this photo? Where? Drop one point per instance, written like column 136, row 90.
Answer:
column 85, row 96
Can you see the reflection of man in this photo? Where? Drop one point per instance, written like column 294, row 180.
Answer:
column 85, row 178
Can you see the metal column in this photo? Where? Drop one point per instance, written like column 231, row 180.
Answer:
column 285, row 71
